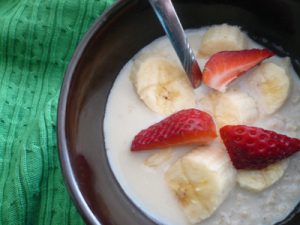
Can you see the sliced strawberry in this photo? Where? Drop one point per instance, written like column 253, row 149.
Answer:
column 256, row 148
column 189, row 126
column 224, row 67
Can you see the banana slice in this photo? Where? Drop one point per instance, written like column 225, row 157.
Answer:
column 162, row 85
column 207, row 101
column 222, row 38
column 259, row 180
column 270, row 84
column 235, row 107
column 201, row 181
column 158, row 158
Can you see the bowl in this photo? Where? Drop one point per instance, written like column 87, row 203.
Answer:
column 115, row 38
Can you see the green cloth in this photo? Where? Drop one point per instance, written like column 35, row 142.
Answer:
column 38, row 38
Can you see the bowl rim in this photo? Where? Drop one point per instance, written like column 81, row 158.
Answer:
column 63, row 148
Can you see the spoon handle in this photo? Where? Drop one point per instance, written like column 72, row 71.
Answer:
column 168, row 18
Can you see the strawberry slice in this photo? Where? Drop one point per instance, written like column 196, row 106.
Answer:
column 224, row 67
column 189, row 126
column 256, row 148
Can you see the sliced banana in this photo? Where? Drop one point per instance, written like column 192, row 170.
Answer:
column 270, row 84
column 259, row 180
column 222, row 38
column 207, row 101
column 158, row 158
column 235, row 107
column 201, row 181
column 162, row 85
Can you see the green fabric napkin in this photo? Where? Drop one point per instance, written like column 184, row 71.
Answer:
column 37, row 40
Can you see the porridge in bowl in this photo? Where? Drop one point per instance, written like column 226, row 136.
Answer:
column 223, row 153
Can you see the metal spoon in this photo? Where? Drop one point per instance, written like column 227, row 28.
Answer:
column 168, row 18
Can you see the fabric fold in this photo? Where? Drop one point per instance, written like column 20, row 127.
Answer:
column 37, row 40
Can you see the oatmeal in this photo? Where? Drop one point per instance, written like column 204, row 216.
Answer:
column 266, row 96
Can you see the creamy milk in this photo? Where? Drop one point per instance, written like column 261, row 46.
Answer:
column 126, row 115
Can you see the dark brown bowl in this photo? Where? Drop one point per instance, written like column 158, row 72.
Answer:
column 123, row 30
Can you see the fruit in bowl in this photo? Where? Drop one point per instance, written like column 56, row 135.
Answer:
column 229, row 144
